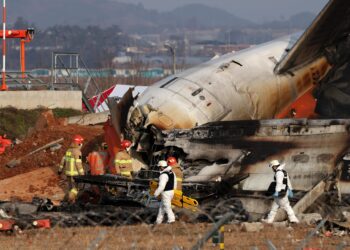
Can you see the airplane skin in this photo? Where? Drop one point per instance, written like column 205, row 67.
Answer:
column 237, row 86
column 255, row 83
column 252, row 84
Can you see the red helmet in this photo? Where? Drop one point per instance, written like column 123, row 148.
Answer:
column 125, row 144
column 171, row 161
column 78, row 139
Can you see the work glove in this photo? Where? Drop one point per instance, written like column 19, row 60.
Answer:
column 290, row 193
column 275, row 194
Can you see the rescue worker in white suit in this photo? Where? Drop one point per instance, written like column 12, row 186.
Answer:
column 166, row 187
column 283, row 190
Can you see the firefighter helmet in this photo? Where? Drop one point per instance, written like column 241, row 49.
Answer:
column 78, row 139
column 171, row 161
column 162, row 164
column 346, row 157
column 125, row 144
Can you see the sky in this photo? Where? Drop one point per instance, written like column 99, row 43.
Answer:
column 255, row 10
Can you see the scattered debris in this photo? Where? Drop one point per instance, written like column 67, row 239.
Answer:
column 310, row 219
column 252, row 227
column 328, row 234
column 4, row 143
column 44, row 223
column 15, row 162
column 7, row 225
column 55, row 147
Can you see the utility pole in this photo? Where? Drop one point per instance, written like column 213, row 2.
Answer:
column 172, row 51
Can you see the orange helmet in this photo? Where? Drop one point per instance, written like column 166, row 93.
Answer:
column 171, row 161
column 125, row 144
column 78, row 139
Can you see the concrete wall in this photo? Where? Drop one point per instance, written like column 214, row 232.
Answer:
column 41, row 98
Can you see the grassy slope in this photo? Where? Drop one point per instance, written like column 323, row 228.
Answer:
column 16, row 123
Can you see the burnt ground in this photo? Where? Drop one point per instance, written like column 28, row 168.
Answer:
column 36, row 176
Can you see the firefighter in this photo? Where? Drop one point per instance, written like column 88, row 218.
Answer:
column 123, row 161
column 166, row 187
column 283, row 190
column 175, row 167
column 98, row 160
column 71, row 165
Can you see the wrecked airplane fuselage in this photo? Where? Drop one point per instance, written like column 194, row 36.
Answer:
column 236, row 86
column 310, row 148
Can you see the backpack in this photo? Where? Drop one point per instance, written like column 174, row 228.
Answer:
column 272, row 187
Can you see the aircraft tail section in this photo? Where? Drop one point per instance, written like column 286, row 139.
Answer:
column 330, row 27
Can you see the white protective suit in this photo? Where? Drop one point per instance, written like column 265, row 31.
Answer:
column 282, row 202
column 167, row 196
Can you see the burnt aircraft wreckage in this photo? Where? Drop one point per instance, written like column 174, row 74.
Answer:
column 218, row 117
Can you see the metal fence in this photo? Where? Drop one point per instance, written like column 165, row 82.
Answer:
column 40, row 225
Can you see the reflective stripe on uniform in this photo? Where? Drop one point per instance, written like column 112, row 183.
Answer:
column 178, row 179
column 74, row 191
column 125, row 173
column 71, row 171
column 122, row 161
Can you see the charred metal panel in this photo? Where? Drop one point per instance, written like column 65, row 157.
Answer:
column 333, row 93
column 310, row 149
column 327, row 29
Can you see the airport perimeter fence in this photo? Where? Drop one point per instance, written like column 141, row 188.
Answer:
column 224, row 225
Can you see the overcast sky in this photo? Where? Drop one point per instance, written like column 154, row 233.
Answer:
column 255, row 10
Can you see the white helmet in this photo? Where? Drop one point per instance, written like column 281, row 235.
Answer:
column 274, row 163
column 162, row 164
column 346, row 157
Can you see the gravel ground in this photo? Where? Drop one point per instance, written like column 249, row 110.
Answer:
column 182, row 235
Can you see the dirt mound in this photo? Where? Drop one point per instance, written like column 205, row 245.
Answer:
column 46, row 158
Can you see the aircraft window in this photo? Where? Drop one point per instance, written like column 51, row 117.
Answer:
column 325, row 158
column 196, row 92
column 168, row 82
column 301, row 158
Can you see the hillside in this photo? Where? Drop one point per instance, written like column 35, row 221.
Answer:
column 133, row 18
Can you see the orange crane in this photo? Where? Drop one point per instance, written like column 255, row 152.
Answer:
column 26, row 36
